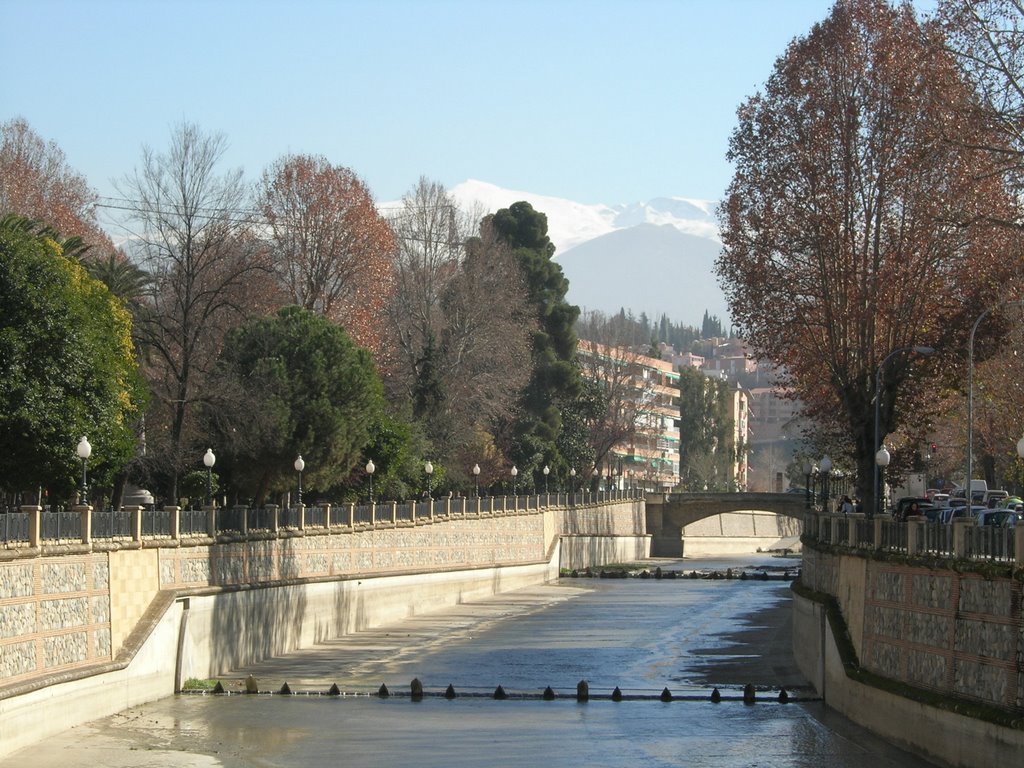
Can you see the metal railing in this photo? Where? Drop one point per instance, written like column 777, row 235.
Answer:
column 32, row 526
column 963, row 539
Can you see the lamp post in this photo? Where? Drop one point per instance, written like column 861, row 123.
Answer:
column 370, row 469
column 84, row 451
column 299, row 466
column 926, row 352
column 546, row 470
column 572, row 481
column 970, row 394
column 429, row 469
column 882, row 459
column 209, row 459
column 825, row 466
column 596, row 479
column 514, row 472
column 808, row 468
column 476, row 478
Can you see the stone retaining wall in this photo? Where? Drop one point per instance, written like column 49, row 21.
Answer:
column 955, row 633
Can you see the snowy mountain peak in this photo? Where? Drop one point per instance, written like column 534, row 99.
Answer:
column 654, row 256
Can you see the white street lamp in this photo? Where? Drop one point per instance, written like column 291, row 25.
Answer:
column 882, row 459
column 370, row 469
column 476, row 478
column 299, row 466
column 514, row 472
column 546, row 470
column 209, row 459
column 429, row 469
column 572, row 480
column 84, row 451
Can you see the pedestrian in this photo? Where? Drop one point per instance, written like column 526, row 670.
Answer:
column 846, row 506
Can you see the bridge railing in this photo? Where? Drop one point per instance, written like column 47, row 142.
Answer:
column 961, row 539
column 31, row 527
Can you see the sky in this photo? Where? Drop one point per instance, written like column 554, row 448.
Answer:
column 596, row 101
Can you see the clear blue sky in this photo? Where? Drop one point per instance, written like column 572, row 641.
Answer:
column 598, row 101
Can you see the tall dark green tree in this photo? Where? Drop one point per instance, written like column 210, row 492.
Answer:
column 555, row 378
column 707, row 446
column 292, row 384
column 67, row 367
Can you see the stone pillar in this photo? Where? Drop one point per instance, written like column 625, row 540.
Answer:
column 833, row 521
column 960, row 527
column 85, row 510
column 876, row 524
column 352, row 514
column 275, row 523
column 135, row 514
column 327, row 516
column 35, row 533
column 394, row 513
column 915, row 529
column 302, row 516
column 175, row 516
column 211, row 520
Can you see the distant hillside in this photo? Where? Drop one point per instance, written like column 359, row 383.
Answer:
column 646, row 268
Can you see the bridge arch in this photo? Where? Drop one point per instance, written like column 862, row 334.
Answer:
column 669, row 514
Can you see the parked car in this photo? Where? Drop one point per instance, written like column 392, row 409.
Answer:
column 995, row 499
column 963, row 512
column 1002, row 518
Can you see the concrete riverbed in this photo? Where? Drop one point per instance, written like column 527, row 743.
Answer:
column 686, row 635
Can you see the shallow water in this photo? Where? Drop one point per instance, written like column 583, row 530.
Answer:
column 640, row 635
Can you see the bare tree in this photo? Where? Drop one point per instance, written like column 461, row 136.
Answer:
column 987, row 38
column 194, row 237
column 458, row 319
column 332, row 249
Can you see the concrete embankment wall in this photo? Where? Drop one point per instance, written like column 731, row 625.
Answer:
column 87, row 634
column 926, row 658
column 738, row 533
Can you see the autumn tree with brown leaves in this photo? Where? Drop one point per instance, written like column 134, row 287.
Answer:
column 37, row 182
column 333, row 251
column 853, row 228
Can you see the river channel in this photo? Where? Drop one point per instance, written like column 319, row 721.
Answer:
column 686, row 635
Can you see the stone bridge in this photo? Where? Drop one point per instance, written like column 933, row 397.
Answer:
column 669, row 514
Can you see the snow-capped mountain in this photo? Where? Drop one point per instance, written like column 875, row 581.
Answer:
column 654, row 257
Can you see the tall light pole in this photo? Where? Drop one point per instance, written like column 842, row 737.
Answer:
column 209, row 459
column 429, row 469
column 970, row 394
column 476, row 478
column 926, row 352
column 808, row 468
column 825, row 465
column 370, row 469
column 572, row 481
column 546, row 470
column 882, row 459
column 514, row 472
column 84, row 451
column 299, row 466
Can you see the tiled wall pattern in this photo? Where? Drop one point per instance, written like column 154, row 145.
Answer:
column 54, row 614
column 64, row 611
column 956, row 633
